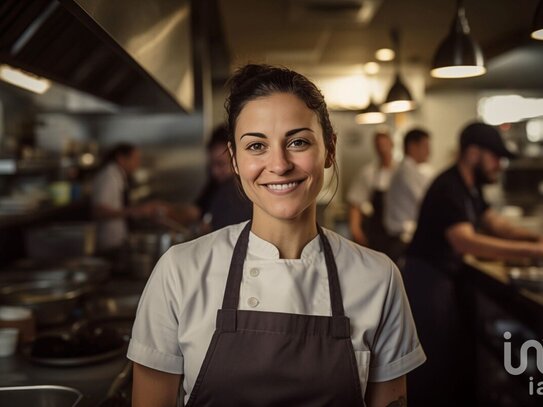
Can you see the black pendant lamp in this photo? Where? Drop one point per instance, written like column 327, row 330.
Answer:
column 537, row 26
column 399, row 98
column 458, row 55
column 370, row 115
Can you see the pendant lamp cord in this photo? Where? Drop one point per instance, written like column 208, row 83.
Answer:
column 395, row 36
column 460, row 22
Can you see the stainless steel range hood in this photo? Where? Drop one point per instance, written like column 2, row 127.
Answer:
column 134, row 53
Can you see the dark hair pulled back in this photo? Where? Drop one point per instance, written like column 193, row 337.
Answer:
column 254, row 81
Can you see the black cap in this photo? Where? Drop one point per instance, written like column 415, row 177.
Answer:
column 485, row 136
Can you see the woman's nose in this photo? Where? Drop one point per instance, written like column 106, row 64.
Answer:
column 279, row 161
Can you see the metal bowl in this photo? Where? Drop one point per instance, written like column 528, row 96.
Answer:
column 58, row 396
column 52, row 294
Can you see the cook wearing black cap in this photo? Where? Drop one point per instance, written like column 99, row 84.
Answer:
column 451, row 221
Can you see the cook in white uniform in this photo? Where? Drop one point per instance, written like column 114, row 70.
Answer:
column 110, row 196
column 280, row 148
column 407, row 188
column 366, row 194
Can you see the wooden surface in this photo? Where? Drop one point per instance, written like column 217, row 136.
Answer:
column 499, row 271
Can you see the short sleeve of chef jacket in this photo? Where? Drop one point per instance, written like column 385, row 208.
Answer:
column 396, row 349
column 177, row 312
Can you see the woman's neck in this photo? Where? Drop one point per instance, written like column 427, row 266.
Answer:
column 289, row 236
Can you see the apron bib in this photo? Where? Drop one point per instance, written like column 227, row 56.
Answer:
column 278, row 359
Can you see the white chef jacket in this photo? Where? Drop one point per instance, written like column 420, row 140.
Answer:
column 404, row 196
column 371, row 177
column 178, row 308
column 108, row 189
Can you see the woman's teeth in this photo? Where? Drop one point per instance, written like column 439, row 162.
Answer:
column 280, row 187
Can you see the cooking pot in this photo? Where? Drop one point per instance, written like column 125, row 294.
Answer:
column 61, row 240
column 145, row 247
column 52, row 294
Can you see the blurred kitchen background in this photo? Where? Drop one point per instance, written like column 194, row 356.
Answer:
column 79, row 76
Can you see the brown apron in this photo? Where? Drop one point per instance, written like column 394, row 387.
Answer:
column 278, row 359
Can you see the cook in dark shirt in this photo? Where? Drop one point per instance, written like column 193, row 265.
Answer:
column 455, row 220
column 221, row 202
column 448, row 202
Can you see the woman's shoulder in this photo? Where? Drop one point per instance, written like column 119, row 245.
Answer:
column 221, row 240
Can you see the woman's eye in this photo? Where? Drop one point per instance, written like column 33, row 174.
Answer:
column 255, row 147
column 299, row 143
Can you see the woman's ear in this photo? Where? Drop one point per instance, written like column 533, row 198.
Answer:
column 233, row 158
column 331, row 152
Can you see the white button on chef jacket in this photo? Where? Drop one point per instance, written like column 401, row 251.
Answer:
column 178, row 308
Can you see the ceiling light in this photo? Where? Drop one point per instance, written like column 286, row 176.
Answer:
column 385, row 54
column 370, row 115
column 458, row 55
column 399, row 98
column 24, row 79
column 371, row 68
column 537, row 26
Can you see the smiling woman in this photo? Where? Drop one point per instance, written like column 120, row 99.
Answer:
column 280, row 158
column 307, row 317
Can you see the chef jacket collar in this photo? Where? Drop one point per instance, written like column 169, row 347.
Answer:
column 262, row 249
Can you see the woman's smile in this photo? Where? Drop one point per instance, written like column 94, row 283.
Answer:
column 282, row 188
column 280, row 155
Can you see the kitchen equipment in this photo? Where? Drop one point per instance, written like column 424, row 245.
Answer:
column 51, row 304
column 527, row 277
column 140, row 265
column 51, row 294
column 20, row 318
column 8, row 341
column 97, row 267
column 86, row 343
column 119, row 393
column 60, row 192
column 155, row 241
column 39, row 396
column 147, row 245
column 12, row 205
column 99, row 307
column 61, row 240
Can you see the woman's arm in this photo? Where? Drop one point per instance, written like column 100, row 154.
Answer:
column 387, row 394
column 152, row 387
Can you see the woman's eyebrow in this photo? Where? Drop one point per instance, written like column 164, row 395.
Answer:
column 287, row 134
column 294, row 131
column 260, row 135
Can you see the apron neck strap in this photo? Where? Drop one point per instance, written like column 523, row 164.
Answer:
column 336, row 300
column 235, row 274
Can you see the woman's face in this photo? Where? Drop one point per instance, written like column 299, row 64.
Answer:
column 280, row 155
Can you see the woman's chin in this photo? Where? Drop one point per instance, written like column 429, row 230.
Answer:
column 287, row 214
